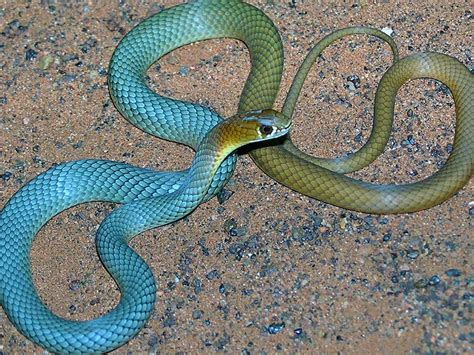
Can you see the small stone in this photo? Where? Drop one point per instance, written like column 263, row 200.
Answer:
column 197, row 285
column 434, row 280
column 413, row 254
column 358, row 138
column 74, row 285
column 184, row 70
column 88, row 45
column 68, row 78
column 77, row 145
column 422, row 283
column 224, row 195
column 70, row 57
column 298, row 332
column 230, row 224
column 153, row 341
column 387, row 30
column 212, row 275
column 405, row 268
column 31, row 54
column 45, row 61
column 453, row 273
column 354, row 80
column 94, row 301
column 449, row 148
column 351, row 86
column 93, row 74
column 275, row 328
column 6, row 176
column 102, row 71
column 197, row 314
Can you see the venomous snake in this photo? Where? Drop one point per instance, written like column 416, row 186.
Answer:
column 151, row 199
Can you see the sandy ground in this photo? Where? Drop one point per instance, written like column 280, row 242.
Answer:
column 266, row 270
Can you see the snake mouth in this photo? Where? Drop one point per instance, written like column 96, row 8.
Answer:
column 285, row 129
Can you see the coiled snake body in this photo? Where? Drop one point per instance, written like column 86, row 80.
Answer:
column 152, row 198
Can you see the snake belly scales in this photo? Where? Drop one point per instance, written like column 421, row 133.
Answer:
column 151, row 199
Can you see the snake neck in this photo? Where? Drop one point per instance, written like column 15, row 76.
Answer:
column 212, row 151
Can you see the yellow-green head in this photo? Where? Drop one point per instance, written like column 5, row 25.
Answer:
column 251, row 127
column 242, row 129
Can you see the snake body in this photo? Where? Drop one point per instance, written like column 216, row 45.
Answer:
column 153, row 198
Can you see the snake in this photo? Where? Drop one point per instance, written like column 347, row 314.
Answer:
column 150, row 199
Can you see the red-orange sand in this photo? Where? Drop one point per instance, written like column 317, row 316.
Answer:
column 268, row 270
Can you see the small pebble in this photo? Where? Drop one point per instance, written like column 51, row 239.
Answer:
column 422, row 283
column 387, row 30
column 355, row 81
column 197, row 314
column 197, row 285
column 275, row 328
column 6, row 176
column 212, row 275
column 449, row 148
column 77, row 145
column 453, row 273
column 404, row 268
column 409, row 141
column 93, row 74
column 74, row 285
column 298, row 332
column 87, row 45
column 184, row 70
column 224, row 195
column 434, row 280
column 153, row 341
column 358, row 138
column 45, row 61
column 68, row 78
column 31, row 54
column 351, row 86
column 413, row 254
column 468, row 296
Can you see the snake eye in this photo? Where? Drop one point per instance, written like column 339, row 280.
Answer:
column 266, row 130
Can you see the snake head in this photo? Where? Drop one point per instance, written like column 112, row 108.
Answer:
column 245, row 128
column 264, row 124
